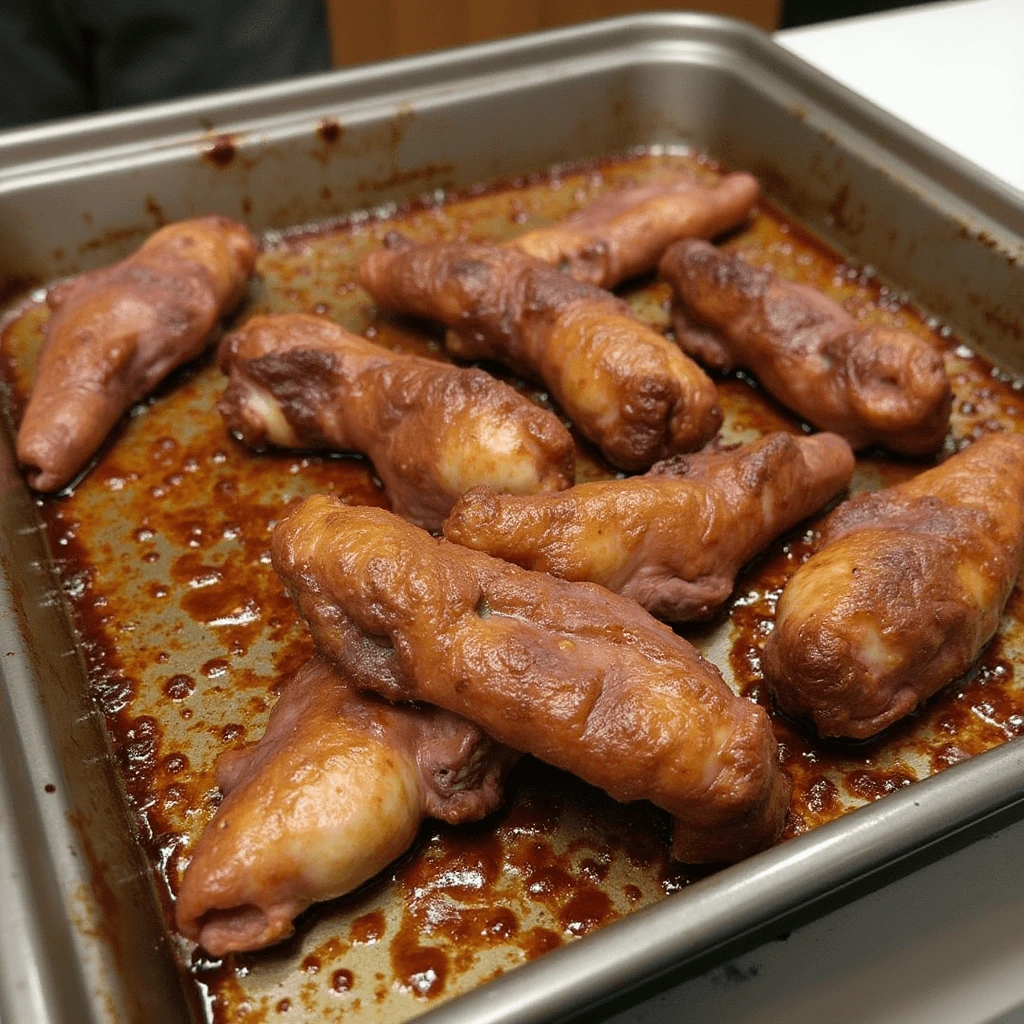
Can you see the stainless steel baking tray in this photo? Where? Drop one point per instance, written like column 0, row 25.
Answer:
column 84, row 936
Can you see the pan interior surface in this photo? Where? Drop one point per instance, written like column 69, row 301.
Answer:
column 162, row 550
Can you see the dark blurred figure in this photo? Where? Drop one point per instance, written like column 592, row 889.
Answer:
column 808, row 12
column 63, row 57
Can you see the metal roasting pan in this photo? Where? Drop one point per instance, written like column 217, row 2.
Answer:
column 83, row 936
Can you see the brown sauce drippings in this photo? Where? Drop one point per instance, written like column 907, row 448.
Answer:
column 342, row 980
column 367, row 929
column 186, row 632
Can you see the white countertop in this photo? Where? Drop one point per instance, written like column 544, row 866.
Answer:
column 945, row 945
column 955, row 71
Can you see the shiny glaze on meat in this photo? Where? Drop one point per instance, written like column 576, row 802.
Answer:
column 625, row 232
column 570, row 672
column 873, row 385
column 331, row 794
column 627, row 389
column 433, row 430
column 907, row 586
column 186, row 632
column 116, row 332
column 672, row 539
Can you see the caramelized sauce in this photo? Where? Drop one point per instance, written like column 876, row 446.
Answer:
column 367, row 929
column 163, row 553
column 342, row 980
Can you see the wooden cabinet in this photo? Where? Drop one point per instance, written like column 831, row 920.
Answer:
column 367, row 30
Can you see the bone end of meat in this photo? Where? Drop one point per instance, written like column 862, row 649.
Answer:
column 715, row 511
column 697, row 414
column 907, row 587
column 570, row 672
column 624, row 232
column 334, row 791
column 872, row 385
column 257, row 418
column 116, row 332
column 279, row 369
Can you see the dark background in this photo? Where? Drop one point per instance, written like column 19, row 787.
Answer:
column 64, row 57
column 807, row 12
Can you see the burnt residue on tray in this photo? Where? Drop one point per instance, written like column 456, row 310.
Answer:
column 163, row 554
column 221, row 151
column 328, row 130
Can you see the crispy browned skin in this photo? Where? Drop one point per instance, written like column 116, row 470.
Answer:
column 906, row 588
column 115, row 333
column 432, row 430
column 625, row 232
column 334, row 791
column 570, row 672
column 624, row 386
column 674, row 539
column 873, row 385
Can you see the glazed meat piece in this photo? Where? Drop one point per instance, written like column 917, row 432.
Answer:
column 115, row 333
column 674, row 539
column 570, row 672
column 873, row 385
column 625, row 232
column 334, row 791
column 432, row 430
column 905, row 589
column 625, row 387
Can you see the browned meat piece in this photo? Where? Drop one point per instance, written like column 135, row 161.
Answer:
column 570, row 672
column 625, row 232
column 627, row 389
column 672, row 540
column 906, row 588
column 432, row 430
column 115, row 333
column 334, row 791
column 873, row 385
